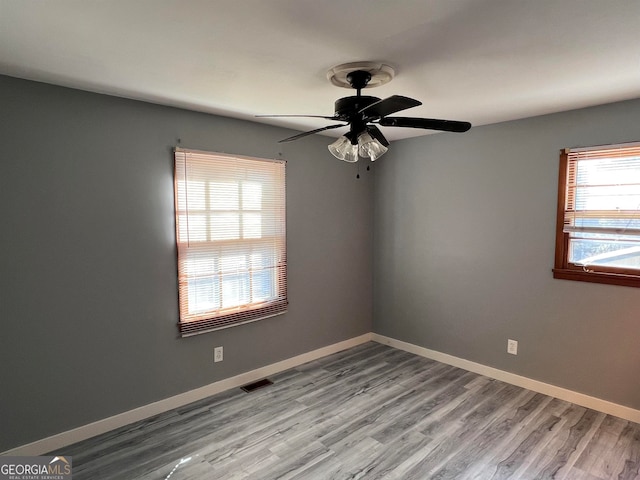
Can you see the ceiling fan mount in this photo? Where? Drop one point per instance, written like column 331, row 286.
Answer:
column 358, row 79
column 363, row 113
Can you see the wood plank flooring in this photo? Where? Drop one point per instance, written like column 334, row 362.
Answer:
column 370, row 412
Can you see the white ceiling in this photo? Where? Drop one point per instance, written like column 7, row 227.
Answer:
column 482, row 61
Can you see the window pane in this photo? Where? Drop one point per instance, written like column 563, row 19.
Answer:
column 196, row 228
column 259, row 260
column 607, row 184
column 235, row 290
column 610, row 171
column 251, row 196
column 264, row 285
column 609, row 197
column 611, row 253
column 251, row 225
column 200, row 265
column 623, row 226
column 204, row 294
column 193, row 197
column 225, row 226
column 224, row 196
column 233, row 264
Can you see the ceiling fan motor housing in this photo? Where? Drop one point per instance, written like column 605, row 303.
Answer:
column 347, row 107
column 347, row 110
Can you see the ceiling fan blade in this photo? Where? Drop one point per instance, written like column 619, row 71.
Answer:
column 426, row 123
column 299, row 116
column 311, row 132
column 388, row 105
column 377, row 134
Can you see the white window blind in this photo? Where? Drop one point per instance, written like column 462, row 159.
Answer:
column 602, row 207
column 231, row 239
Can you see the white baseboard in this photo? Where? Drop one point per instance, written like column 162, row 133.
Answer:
column 581, row 399
column 69, row 437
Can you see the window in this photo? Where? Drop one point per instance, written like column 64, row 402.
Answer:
column 230, row 230
column 598, row 226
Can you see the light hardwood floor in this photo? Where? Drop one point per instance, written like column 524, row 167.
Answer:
column 367, row 413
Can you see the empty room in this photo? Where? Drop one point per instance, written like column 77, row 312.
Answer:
column 285, row 239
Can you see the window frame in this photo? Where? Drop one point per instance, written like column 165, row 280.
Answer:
column 219, row 317
column 563, row 268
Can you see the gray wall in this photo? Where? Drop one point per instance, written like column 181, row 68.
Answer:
column 88, row 296
column 464, row 245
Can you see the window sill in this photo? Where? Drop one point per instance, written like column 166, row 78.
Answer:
column 597, row 277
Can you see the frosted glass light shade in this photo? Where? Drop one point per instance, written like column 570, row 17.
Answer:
column 370, row 147
column 343, row 149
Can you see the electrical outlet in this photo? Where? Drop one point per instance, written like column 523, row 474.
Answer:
column 512, row 347
column 218, row 354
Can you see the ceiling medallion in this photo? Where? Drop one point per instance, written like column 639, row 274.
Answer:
column 380, row 73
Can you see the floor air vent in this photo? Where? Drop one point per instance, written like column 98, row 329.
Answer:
column 265, row 382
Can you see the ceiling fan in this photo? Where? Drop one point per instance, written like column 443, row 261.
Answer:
column 363, row 114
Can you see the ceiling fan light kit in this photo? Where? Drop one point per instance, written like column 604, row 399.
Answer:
column 365, row 146
column 363, row 113
column 343, row 149
column 370, row 147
